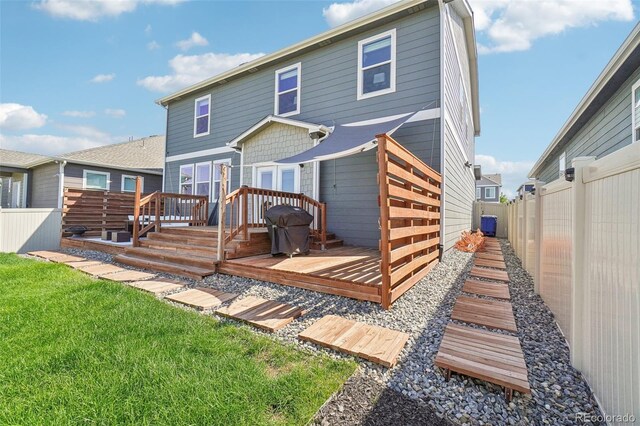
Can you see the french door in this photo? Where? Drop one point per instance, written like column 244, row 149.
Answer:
column 279, row 178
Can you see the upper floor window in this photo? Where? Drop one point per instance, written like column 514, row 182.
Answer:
column 201, row 116
column 92, row 179
column 287, row 100
column 635, row 112
column 377, row 65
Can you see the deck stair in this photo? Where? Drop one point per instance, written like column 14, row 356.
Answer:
column 332, row 242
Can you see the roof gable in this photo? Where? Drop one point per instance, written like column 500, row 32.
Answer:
column 270, row 119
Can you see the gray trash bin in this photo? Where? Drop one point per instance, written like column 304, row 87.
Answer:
column 288, row 229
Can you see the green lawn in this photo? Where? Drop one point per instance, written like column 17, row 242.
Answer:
column 74, row 350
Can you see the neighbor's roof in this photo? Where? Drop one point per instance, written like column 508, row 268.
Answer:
column 490, row 180
column 625, row 61
column 497, row 178
column 339, row 32
column 19, row 159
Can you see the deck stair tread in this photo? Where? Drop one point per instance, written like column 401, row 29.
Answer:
column 484, row 355
column 128, row 275
column 484, row 288
column 265, row 314
column 489, row 313
column 155, row 254
column 165, row 266
column 491, row 274
column 157, row 286
column 179, row 248
column 188, row 239
column 489, row 256
column 496, row 264
column 202, row 297
column 377, row 344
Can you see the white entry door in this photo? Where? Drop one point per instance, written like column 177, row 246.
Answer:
column 280, row 178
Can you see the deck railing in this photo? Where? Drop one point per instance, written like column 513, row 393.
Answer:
column 158, row 208
column 409, row 218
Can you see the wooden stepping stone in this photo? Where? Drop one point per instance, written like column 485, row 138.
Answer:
column 487, row 356
column 202, row 297
column 66, row 258
column 485, row 288
column 157, row 286
column 490, row 263
column 491, row 274
column 128, row 275
column 377, row 344
column 490, row 313
column 101, row 269
column 46, row 254
column 83, row 264
column 266, row 314
column 490, row 256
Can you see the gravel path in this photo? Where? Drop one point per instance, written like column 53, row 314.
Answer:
column 415, row 392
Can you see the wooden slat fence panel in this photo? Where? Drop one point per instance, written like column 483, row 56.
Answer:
column 409, row 218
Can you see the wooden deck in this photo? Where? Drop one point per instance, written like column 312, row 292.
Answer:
column 377, row 344
column 345, row 271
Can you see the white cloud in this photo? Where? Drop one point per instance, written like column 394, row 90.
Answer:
column 148, row 29
column 115, row 113
column 20, row 117
column 514, row 173
column 79, row 114
column 153, row 45
column 92, row 10
column 195, row 40
column 514, row 25
column 188, row 70
column 339, row 13
column 103, row 78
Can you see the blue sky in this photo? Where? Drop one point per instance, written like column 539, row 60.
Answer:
column 76, row 74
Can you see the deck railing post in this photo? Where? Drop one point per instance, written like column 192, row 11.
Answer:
column 158, row 220
column 385, row 245
column 222, row 211
column 136, row 213
column 323, row 225
column 245, row 213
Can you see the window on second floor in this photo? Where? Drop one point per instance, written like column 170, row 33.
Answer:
column 202, row 111
column 287, row 98
column 490, row 192
column 635, row 112
column 377, row 65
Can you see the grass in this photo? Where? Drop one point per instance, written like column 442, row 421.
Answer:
column 78, row 350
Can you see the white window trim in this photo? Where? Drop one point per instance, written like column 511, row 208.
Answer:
column 84, row 179
column 392, row 61
column 193, row 183
column 490, row 189
column 635, row 124
column 131, row 177
column 195, row 177
column 215, row 182
column 196, row 116
column 276, row 103
column 562, row 164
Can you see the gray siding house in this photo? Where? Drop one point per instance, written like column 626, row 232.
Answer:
column 488, row 188
column 412, row 56
column 606, row 119
column 32, row 180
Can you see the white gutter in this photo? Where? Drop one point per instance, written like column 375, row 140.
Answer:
column 442, row 133
column 61, row 165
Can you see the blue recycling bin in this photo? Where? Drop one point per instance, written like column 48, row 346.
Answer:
column 488, row 225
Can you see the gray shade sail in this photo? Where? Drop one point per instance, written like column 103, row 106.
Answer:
column 347, row 140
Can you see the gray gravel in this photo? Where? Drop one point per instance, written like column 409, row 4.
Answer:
column 415, row 392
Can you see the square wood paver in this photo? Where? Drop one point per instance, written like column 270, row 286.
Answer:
column 157, row 286
column 202, row 297
column 485, row 288
column 488, row 356
column 490, row 256
column 101, row 269
column 490, row 263
column 266, row 314
column 46, row 254
column 128, row 275
column 490, row 313
column 377, row 344
column 65, row 258
column 83, row 263
column 490, row 274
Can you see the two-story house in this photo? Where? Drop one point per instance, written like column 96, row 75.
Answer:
column 414, row 56
column 488, row 188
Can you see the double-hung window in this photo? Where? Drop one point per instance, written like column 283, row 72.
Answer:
column 129, row 183
column 92, row 179
column 202, row 111
column 287, row 100
column 377, row 65
column 203, row 179
column 186, row 179
column 635, row 112
column 217, row 168
column 490, row 192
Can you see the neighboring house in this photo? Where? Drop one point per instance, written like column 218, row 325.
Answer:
column 411, row 56
column 488, row 188
column 32, row 180
column 606, row 119
column 528, row 186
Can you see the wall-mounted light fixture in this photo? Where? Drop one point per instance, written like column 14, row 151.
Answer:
column 570, row 174
column 468, row 164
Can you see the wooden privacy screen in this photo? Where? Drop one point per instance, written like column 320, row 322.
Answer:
column 97, row 210
column 409, row 218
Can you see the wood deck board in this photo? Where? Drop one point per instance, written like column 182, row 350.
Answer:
column 129, row 275
column 489, row 256
column 490, row 263
column 157, row 286
column 377, row 344
column 265, row 314
column 484, row 312
column 483, row 288
column 202, row 297
column 491, row 274
column 481, row 354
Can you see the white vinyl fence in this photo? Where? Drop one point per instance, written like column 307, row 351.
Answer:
column 481, row 208
column 581, row 242
column 23, row 230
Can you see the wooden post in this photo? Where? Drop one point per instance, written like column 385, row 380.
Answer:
column 385, row 245
column 136, row 213
column 158, row 220
column 222, row 206
column 245, row 212
column 323, row 224
column 537, row 276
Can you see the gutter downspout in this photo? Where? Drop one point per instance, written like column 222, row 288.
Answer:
column 443, row 145
column 61, row 165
